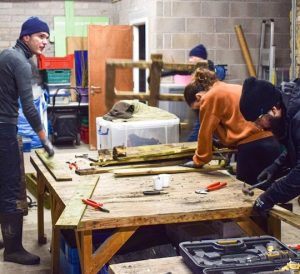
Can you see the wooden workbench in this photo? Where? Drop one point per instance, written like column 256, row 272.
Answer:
column 130, row 209
column 157, row 266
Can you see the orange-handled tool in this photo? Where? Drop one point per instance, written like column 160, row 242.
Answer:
column 95, row 205
column 211, row 187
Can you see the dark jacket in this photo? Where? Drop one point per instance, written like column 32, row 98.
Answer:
column 288, row 187
column 15, row 83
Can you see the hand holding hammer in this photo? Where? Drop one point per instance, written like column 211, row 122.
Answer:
column 249, row 190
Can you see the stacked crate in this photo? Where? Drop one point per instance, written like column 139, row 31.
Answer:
column 84, row 130
column 56, row 73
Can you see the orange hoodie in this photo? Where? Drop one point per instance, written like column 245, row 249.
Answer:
column 220, row 114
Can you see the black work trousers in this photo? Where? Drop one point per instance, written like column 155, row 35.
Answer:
column 10, row 174
column 254, row 157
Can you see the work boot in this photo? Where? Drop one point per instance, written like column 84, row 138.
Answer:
column 11, row 227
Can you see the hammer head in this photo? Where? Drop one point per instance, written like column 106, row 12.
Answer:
column 247, row 191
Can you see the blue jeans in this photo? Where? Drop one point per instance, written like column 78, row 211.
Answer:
column 10, row 173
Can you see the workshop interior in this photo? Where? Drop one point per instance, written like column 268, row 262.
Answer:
column 162, row 161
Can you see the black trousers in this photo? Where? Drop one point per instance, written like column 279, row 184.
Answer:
column 10, row 174
column 254, row 157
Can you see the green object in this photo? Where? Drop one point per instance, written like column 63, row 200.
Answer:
column 85, row 121
column 69, row 25
column 57, row 76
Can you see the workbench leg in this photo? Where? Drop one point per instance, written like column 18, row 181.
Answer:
column 42, row 239
column 56, row 210
column 91, row 262
column 85, row 250
column 250, row 227
column 274, row 227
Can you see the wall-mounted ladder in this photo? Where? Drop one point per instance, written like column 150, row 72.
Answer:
column 266, row 60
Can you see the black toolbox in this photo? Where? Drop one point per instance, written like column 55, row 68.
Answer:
column 237, row 255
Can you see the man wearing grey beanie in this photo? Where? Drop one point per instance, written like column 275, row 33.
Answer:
column 15, row 84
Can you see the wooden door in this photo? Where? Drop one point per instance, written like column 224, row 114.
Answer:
column 106, row 42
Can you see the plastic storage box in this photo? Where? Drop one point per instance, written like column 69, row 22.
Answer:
column 245, row 255
column 51, row 88
column 57, row 76
column 136, row 133
column 55, row 62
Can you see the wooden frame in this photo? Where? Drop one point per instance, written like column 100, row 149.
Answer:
column 155, row 66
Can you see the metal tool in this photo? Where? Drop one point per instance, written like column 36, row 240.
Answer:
column 249, row 190
column 84, row 156
column 154, row 192
column 95, row 205
column 211, row 187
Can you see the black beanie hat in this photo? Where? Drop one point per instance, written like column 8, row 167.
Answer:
column 258, row 97
column 33, row 25
column 199, row 51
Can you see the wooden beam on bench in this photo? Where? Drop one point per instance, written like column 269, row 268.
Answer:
column 286, row 216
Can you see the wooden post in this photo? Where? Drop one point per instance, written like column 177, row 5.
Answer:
column 154, row 85
column 245, row 50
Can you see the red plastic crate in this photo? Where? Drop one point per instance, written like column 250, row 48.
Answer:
column 55, row 62
column 84, row 134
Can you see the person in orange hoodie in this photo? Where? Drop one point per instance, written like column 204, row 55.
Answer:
column 220, row 116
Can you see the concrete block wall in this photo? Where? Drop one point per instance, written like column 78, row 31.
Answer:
column 14, row 12
column 180, row 25
column 174, row 26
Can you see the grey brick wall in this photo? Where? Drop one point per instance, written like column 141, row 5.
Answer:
column 174, row 26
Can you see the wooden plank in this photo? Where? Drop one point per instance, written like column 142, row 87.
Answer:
column 159, row 266
column 156, row 152
column 127, row 160
column 128, row 63
column 168, row 170
column 286, row 216
column 53, row 166
column 104, row 169
column 74, row 209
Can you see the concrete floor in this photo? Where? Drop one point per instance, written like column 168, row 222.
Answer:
column 290, row 235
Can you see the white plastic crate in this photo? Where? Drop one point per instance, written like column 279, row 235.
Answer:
column 136, row 133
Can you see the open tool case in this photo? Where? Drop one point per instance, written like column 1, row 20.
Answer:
column 237, row 256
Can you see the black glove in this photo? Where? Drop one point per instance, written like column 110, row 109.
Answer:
column 268, row 174
column 263, row 204
column 48, row 147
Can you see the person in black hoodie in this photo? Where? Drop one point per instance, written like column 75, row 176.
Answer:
column 266, row 106
column 15, row 85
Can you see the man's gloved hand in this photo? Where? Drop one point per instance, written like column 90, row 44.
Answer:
column 48, row 147
column 263, row 204
column 190, row 164
column 268, row 174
